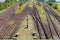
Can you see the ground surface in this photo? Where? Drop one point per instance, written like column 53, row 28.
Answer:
column 30, row 19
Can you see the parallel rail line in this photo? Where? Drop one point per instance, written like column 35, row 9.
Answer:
column 53, row 25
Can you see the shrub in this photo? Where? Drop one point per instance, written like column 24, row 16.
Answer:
column 50, row 4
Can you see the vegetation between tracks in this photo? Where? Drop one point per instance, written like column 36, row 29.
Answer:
column 40, row 9
column 41, row 13
column 56, row 7
column 20, row 8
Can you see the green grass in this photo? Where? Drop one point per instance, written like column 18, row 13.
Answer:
column 58, row 8
column 58, row 5
column 20, row 8
column 40, row 9
column 42, row 13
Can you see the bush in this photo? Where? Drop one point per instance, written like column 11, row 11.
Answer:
column 50, row 4
column 55, row 7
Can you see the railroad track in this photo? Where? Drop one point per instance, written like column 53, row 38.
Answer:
column 7, row 30
column 6, row 17
column 53, row 13
column 4, row 24
column 53, row 30
column 10, row 30
column 40, row 27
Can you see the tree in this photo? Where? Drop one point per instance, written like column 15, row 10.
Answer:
column 6, row 4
